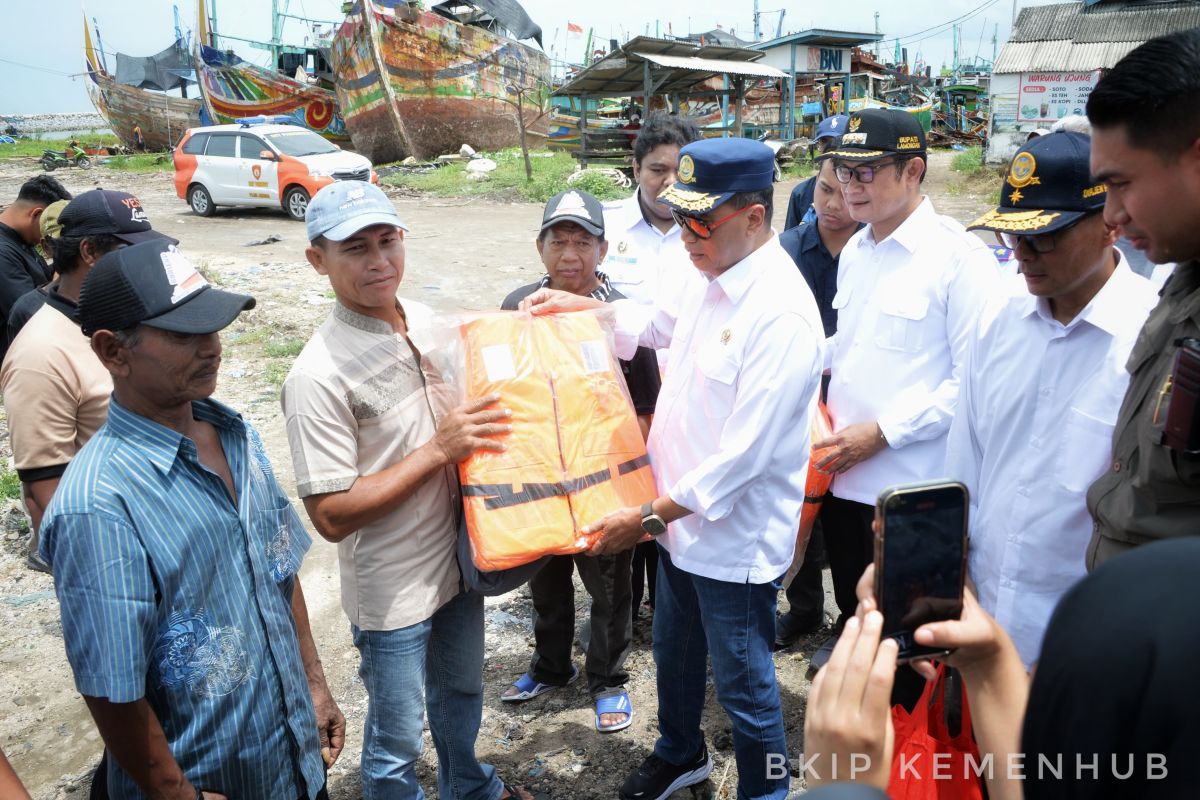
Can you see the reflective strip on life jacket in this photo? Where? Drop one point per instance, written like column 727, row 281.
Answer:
column 575, row 452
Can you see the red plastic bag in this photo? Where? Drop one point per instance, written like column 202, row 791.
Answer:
column 931, row 763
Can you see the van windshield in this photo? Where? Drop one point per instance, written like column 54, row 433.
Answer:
column 300, row 143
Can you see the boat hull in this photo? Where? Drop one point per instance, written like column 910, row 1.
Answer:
column 413, row 83
column 162, row 118
column 233, row 89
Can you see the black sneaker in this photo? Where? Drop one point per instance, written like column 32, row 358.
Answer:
column 655, row 779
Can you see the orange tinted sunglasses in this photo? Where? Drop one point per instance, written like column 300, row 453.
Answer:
column 702, row 229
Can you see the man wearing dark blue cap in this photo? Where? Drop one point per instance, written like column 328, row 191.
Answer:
column 176, row 557
column 910, row 287
column 800, row 203
column 729, row 445
column 1045, row 378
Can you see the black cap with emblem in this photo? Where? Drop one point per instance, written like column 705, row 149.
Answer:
column 1048, row 186
column 878, row 132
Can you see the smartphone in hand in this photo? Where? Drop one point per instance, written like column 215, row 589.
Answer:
column 920, row 559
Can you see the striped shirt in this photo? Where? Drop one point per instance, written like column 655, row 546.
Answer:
column 171, row 593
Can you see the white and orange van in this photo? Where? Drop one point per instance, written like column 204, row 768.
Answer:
column 258, row 163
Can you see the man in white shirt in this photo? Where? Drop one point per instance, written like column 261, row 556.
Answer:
column 643, row 236
column 729, row 446
column 910, row 287
column 1045, row 379
column 646, row 260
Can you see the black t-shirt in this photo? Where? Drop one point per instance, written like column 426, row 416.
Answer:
column 21, row 270
column 641, row 371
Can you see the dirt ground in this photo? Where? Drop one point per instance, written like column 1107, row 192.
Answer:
column 462, row 255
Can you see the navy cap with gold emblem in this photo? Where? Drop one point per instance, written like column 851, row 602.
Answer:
column 713, row 170
column 878, row 132
column 1048, row 186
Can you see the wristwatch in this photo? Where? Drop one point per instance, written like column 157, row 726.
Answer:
column 652, row 523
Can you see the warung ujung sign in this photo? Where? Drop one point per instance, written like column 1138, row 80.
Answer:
column 1050, row 96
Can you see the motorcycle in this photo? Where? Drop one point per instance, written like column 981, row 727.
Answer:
column 74, row 156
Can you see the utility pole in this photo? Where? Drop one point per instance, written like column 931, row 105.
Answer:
column 954, row 34
column 995, row 30
column 876, row 33
column 757, row 29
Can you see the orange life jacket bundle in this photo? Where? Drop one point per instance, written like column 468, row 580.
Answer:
column 575, row 452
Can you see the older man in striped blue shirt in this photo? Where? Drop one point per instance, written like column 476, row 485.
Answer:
column 175, row 556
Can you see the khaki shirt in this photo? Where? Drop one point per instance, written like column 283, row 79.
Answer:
column 55, row 391
column 356, row 403
column 1150, row 492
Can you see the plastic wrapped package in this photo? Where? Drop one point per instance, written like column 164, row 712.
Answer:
column 575, row 452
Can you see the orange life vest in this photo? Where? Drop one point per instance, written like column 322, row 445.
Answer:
column 575, row 452
column 817, row 483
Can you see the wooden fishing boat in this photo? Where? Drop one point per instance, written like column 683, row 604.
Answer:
column 233, row 88
column 161, row 117
column 422, row 82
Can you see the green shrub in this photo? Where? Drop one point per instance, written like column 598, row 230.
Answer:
column 968, row 162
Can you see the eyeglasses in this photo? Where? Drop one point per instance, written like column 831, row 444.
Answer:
column 702, row 229
column 1037, row 242
column 866, row 173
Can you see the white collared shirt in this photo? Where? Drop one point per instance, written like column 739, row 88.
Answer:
column 907, row 307
column 730, row 438
column 638, row 252
column 1034, row 428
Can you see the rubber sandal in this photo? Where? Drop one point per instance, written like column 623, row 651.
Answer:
column 514, row 792
column 529, row 688
column 616, row 702
column 35, row 562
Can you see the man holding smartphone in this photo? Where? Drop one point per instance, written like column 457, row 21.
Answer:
column 1044, row 382
column 910, row 287
column 1146, row 151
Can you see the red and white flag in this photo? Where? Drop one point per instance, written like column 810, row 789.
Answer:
column 574, row 30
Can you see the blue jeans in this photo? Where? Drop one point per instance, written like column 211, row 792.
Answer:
column 435, row 666
column 733, row 623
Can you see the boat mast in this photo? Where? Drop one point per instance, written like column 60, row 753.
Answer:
column 100, row 45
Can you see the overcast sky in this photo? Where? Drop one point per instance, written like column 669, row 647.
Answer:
column 46, row 38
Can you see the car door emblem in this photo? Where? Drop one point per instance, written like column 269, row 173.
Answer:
column 257, row 170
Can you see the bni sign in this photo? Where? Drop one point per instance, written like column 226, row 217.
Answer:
column 828, row 59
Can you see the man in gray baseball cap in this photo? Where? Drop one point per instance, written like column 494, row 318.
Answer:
column 378, row 477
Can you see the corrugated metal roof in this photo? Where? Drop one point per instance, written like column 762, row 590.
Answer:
column 1061, row 56
column 714, row 65
column 1068, row 37
column 675, row 67
column 1126, row 22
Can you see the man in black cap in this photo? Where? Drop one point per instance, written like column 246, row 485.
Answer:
column 729, row 445
column 176, row 557
column 1146, row 150
column 1036, row 407
column 21, row 266
column 92, row 224
column 571, row 243
column 910, row 288
column 55, row 390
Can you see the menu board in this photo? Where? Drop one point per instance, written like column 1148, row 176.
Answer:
column 1050, row 96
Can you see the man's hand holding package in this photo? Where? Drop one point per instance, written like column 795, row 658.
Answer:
column 469, row 427
column 849, row 446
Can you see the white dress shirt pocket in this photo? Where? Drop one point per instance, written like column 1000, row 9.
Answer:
column 900, row 325
column 1086, row 450
column 720, row 371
